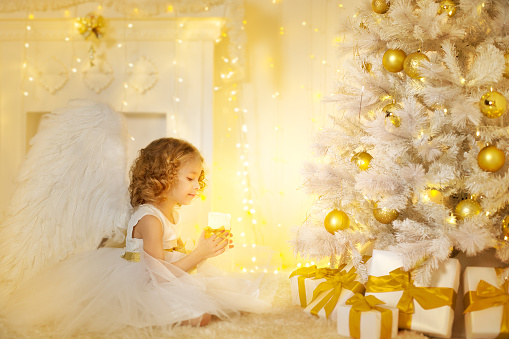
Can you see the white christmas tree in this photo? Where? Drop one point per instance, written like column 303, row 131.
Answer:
column 413, row 159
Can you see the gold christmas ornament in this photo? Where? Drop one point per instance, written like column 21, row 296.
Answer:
column 380, row 6
column 435, row 196
column 506, row 57
column 385, row 215
column 336, row 220
column 389, row 114
column 493, row 104
column 412, row 63
column 467, row 208
column 505, row 227
column 92, row 23
column 491, row 159
column 393, row 60
column 447, row 6
column 362, row 160
column 366, row 66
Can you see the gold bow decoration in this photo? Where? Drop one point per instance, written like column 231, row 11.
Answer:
column 327, row 272
column 487, row 296
column 92, row 23
column 427, row 297
column 303, row 273
column 361, row 304
column 334, row 286
column 131, row 256
column 218, row 232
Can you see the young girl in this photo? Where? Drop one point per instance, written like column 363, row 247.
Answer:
column 145, row 286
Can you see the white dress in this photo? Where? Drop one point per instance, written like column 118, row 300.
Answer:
column 103, row 292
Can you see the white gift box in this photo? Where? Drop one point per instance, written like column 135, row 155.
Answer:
column 371, row 322
column 310, row 285
column 343, row 297
column 436, row 322
column 485, row 323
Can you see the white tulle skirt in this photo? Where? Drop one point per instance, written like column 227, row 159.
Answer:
column 100, row 292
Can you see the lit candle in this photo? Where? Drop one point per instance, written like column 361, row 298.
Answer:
column 217, row 220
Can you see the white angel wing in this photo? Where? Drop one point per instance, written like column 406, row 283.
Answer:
column 72, row 192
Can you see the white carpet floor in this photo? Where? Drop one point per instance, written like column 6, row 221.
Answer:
column 284, row 321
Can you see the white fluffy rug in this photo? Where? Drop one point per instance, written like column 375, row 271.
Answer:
column 284, row 321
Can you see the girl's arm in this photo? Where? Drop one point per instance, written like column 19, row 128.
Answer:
column 150, row 229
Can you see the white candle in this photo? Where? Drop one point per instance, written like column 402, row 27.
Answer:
column 217, row 220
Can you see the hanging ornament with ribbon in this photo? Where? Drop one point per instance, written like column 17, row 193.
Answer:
column 91, row 24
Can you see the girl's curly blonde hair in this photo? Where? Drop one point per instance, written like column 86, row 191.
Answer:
column 155, row 170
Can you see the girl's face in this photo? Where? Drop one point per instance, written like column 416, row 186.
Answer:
column 187, row 182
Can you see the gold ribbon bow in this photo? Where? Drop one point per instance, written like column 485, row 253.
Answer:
column 303, row 273
column 326, row 272
column 335, row 285
column 361, row 304
column 427, row 297
column 219, row 232
column 486, row 296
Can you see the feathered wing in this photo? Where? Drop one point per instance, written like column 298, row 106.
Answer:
column 71, row 193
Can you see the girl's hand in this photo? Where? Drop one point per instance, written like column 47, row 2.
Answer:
column 210, row 247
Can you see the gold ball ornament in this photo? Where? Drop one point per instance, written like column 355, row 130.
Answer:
column 412, row 63
column 366, row 66
column 435, row 196
column 467, row 208
column 506, row 57
column 491, row 159
column 389, row 114
column 385, row 215
column 380, row 6
column 336, row 220
column 362, row 160
column 393, row 60
column 447, row 6
column 493, row 104
column 505, row 227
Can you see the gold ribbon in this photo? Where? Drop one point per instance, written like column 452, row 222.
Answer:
column 303, row 273
column 487, row 296
column 219, row 232
column 131, row 256
column 363, row 304
column 428, row 297
column 334, row 286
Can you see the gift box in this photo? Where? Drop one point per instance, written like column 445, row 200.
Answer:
column 303, row 283
column 335, row 290
column 486, row 303
column 367, row 318
column 424, row 309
